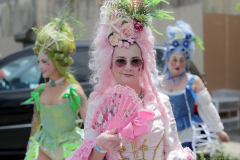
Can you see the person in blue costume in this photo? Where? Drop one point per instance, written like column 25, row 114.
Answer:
column 58, row 101
column 186, row 90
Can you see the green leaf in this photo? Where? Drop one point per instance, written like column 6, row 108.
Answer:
column 111, row 34
column 124, row 22
column 155, row 2
column 35, row 29
column 52, row 53
column 155, row 30
column 198, row 42
column 160, row 14
column 237, row 6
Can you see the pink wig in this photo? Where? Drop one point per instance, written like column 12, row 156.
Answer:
column 101, row 59
column 101, row 52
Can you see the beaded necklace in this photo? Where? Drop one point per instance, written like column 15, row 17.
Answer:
column 171, row 79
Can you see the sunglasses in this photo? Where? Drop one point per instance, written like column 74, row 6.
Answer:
column 134, row 62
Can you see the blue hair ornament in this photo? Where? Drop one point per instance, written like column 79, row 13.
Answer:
column 185, row 44
column 175, row 43
column 188, row 36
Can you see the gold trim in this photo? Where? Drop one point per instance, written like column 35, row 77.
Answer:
column 158, row 146
column 143, row 148
column 120, row 152
column 162, row 155
column 135, row 150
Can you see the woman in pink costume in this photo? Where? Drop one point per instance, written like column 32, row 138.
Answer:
column 122, row 54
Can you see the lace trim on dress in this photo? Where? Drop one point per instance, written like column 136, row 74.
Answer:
column 183, row 154
column 83, row 151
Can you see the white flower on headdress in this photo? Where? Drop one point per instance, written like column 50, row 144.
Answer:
column 127, row 31
column 114, row 39
column 179, row 34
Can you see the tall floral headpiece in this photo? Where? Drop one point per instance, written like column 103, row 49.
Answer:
column 56, row 37
column 127, row 18
column 181, row 39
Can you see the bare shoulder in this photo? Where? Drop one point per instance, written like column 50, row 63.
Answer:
column 198, row 84
column 80, row 92
column 36, row 89
column 79, row 89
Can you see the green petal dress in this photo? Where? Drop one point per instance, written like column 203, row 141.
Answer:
column 58, row 124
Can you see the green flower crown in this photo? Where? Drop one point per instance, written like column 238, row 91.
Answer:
column 57, row 36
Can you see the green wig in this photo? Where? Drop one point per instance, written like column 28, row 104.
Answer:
column 57, row 41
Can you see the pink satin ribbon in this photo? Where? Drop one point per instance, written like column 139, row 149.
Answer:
column 138, row 126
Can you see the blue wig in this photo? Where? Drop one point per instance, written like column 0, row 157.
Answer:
column 181, row 39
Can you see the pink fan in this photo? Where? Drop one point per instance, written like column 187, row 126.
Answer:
column 118, row 108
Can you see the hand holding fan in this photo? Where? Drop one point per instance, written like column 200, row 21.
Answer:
column 118, row 108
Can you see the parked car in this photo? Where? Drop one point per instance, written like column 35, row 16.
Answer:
column 22, row 77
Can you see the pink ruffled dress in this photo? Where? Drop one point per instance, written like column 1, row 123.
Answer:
column 146, row 138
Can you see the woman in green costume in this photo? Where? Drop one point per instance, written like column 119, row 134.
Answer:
column 58, row 101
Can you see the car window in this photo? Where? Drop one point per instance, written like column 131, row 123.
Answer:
column 20, row 73
column 80, row 66
column 159, row 55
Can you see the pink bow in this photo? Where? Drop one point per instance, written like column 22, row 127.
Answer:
column 138, row 126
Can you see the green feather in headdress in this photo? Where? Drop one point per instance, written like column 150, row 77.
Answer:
column 59, row 28
column 237, row 6
column 140, row 10
column 198, row 42
column 56, row 39
column 68, row 16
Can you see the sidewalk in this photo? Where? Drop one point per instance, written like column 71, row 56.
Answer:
column 233, row 146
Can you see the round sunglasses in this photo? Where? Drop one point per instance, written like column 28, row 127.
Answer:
column 134, row 62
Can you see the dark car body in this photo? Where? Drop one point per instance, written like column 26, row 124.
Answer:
column 23, row 76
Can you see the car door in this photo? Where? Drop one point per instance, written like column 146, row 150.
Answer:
column 80, row 67
column 21, row 76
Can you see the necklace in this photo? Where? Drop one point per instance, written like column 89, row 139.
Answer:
column 53, row 83
column 171, row 79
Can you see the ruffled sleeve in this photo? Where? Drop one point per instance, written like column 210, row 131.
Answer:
column 172, row 146
column 183, row 154
column 84, row 150
column 208, row 112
